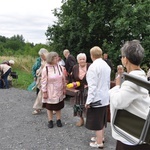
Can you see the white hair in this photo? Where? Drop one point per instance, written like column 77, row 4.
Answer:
column 119, row 66
column 11, row 62
column 81, row 55
column 42, row 51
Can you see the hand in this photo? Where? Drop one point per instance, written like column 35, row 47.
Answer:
column 64, row 91
column 45, row 95
column 87, row 106
column 118, row 80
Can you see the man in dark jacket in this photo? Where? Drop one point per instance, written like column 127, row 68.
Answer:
column 70, row 60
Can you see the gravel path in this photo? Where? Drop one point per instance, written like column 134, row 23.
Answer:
column 20, row 130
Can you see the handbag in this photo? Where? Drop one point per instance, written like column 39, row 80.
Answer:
column 133, row 128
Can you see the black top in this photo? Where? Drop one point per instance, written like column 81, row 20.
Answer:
column 70, row 62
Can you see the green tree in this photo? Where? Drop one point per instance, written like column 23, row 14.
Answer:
column 82, row 24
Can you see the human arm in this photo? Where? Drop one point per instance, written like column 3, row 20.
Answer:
column 121, row 98
column 92, row 80
column 35, row 67
column 64, row 79
column 44, row 82
column 71, row 60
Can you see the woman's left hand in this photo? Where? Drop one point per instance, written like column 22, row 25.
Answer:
column 118, row 80
column 87, row 106
column 64, row 91
column 45, row 95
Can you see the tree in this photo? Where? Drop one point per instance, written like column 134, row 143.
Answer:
column 84, row 23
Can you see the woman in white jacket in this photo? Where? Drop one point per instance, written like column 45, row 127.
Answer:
column 98, row 79
column 130, row 96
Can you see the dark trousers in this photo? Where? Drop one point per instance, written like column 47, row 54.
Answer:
column 5, row 76
column 2, row 84
column 37, row 91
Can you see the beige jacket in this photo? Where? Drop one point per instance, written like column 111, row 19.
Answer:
column 4, row 68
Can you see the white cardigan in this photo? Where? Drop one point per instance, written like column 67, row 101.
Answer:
column 98, row 79
column 130, row 97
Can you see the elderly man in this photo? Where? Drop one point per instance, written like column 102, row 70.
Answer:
column 70, row 61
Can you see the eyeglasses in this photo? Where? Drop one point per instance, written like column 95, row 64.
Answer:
column 120, row 56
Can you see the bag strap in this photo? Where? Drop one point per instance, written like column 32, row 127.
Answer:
column 47, row 70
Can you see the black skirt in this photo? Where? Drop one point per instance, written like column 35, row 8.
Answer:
column 96, row 118
column 56, row 107
column 121, row 146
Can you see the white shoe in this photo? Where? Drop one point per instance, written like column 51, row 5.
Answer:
column 101, row 146
column 93, row 139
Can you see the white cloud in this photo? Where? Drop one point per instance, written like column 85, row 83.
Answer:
column 29, row 18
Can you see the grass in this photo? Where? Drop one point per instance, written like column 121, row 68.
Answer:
column 23, row 66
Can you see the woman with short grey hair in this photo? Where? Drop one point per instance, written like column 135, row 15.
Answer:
column 130, row 96
column 133, row 51
column 53, row 87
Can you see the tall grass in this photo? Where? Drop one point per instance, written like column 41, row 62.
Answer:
column 23, row 67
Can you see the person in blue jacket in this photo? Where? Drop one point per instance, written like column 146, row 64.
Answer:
column 37, row 65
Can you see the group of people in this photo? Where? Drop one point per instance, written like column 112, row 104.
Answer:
column 94, row 90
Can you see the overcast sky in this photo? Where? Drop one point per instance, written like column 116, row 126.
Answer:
column 29, row 18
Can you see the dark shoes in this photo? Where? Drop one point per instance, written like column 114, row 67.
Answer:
column 50, row 124
column 59, row 124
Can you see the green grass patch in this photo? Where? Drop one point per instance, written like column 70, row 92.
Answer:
column 24, row 79
column 23, row 67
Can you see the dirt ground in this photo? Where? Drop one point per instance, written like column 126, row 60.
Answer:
column 20, row 130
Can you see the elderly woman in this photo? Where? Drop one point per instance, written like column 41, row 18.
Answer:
column 98, row 79
column 53, row 87
column 120, row 71
column 130, row 96
column 36, row 71
column 79, row 74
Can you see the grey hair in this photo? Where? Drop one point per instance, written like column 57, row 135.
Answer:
column 66, row 51
column 42, row 51
column 81, row 55
column 50, row 56
column 133, row 51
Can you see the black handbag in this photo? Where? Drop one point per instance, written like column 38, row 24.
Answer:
column 133, row 128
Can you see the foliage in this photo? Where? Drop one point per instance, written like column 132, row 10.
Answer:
column 83, row 24
column 24, row 79
column 24, row 55
column 16, row 46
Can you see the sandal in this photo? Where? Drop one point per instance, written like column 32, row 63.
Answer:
column 96, row 145
column 35, row 112
column 93, row 139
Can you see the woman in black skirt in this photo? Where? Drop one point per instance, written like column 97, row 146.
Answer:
column 53, row 87
column 98, row 79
